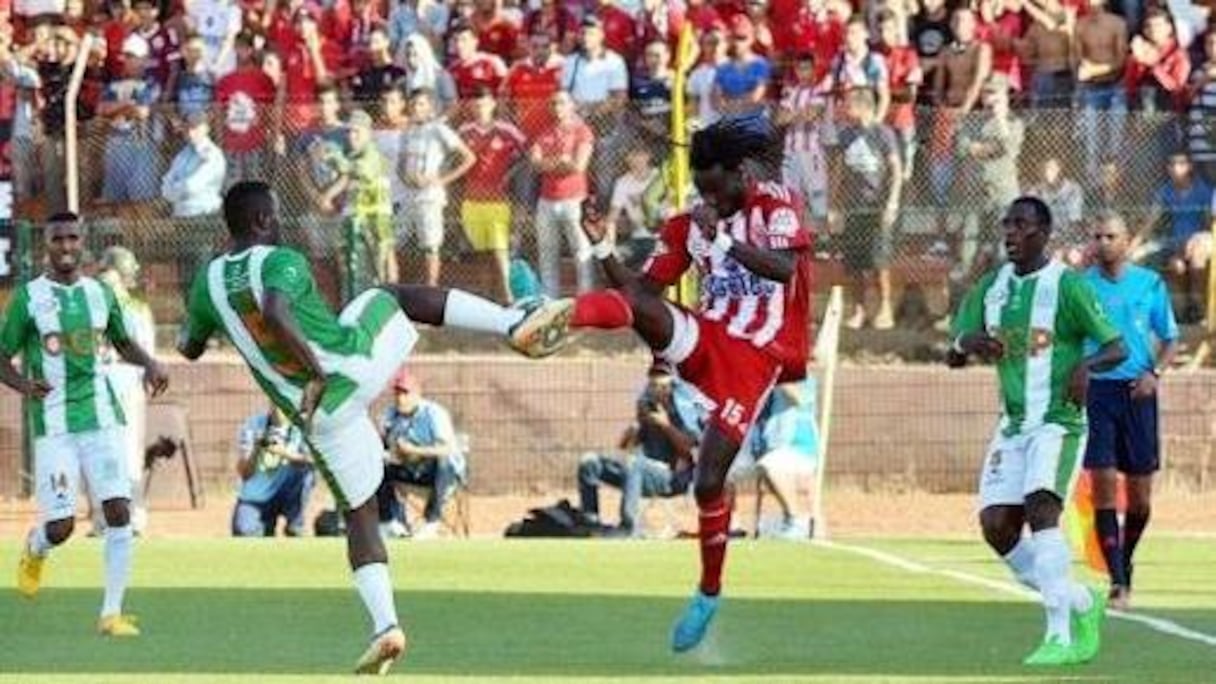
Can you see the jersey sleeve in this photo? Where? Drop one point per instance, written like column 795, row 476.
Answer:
column 969, row 318
column 287, row 271
column 116, row 322
column 1082, row 306
column 1161, row 316
column 17, row 322
column 670, row 258
column 783, row 229
column 200, row 317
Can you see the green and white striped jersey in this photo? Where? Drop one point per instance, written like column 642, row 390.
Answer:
column 227, row 296
column 1043, row 320
column 60, row 331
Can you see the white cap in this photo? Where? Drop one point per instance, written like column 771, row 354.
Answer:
column 135, row 45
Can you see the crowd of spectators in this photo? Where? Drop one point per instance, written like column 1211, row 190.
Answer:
column 486, row 123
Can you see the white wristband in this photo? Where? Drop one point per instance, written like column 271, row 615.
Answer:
column 603, row 249
column 723, row 242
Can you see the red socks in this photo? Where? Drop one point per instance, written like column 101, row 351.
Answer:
column 607, row 309
column 714, row 530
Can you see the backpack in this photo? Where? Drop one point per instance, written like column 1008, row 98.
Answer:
column 558, row 520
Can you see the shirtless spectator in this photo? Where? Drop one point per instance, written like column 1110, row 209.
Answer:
column 1101, row 52
column 1047, row 48
column 965, row 67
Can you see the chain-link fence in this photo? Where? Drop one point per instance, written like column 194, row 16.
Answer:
column 529, row 424
column 959, row 173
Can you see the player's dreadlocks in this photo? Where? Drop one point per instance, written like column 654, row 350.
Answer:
column 728, row 142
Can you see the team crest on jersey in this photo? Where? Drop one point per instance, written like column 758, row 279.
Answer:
column 52, row 344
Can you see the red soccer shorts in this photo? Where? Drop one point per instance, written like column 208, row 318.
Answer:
column 733, row 374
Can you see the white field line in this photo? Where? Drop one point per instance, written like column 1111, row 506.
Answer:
column 1156, row 624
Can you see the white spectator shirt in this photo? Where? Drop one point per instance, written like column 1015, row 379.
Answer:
column 1190, row 20
column 214, row 21
column 388, row 141
column 592, row 81
column 627, row 194
column 33, row 8
column 424, row 152
column 701, row 87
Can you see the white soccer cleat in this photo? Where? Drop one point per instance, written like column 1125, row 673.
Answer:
column 544, row 328
column 384, row 650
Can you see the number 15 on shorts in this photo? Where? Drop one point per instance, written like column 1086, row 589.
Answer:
column 732, row 413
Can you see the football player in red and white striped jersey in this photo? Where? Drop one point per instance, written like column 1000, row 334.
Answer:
column 749, row 330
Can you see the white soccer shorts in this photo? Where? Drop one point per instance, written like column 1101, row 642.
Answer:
column 1044, row 458
column 347, row 440
column 59, row 461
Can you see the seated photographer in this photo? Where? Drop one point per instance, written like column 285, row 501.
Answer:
column 421, row 450
column 663, row 441
column 782, row 452
column 276, row 477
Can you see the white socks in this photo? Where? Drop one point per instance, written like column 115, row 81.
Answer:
column 1053, row 571
column 117, row 554
column 470, row 312
column 376, row 590
column 37, row 542
column 1020, row 560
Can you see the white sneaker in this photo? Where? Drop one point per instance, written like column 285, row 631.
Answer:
column 857, row 321
column 427, row 531
column 393, row 530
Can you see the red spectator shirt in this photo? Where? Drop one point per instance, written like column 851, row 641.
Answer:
column 244, row 96
column 480, row 70
column 301, row 77
column 822, row 37
column 564, row 141
column 620, row 32
column 704, row 18
column 560, row 24
column 498, row 36
column 529, row 88
column 903, row 69
column 665, row 23
column 773, row 316
column 165, row 51
column 1006, row 29
column 1170, row 74
column 496, row 147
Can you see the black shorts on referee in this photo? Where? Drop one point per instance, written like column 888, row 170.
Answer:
column 1122, row 430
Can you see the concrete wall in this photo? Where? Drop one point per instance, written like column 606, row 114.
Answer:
column 906, row 427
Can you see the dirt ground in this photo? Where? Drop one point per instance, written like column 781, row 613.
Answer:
column 849, row 513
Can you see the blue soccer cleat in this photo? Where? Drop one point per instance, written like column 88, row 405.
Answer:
column 693, row 624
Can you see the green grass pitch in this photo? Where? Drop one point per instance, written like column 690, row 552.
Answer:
column 530, row 611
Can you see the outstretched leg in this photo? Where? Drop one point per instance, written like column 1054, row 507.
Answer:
column 536, row 330
column 631, row 306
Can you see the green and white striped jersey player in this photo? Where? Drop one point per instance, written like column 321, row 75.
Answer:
column 324, row 370
column 59, row 323
column 1042, row 321
column 1032, row 317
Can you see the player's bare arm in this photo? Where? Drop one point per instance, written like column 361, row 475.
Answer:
column 32, row 388
column 156, row 380
column 276, row 310
column 595, row 227
column 774, row 264
column 978, row 343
